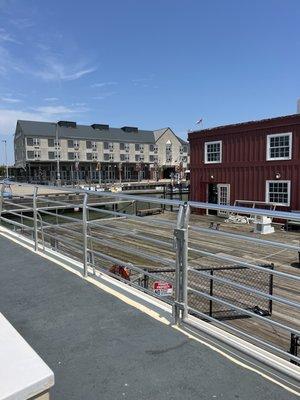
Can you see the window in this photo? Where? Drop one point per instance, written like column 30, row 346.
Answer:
column 70, row 143
column 122, row 146
column 127, row 147
column 108, row 157
column 29, row 141
column 91, row 144
column 71, row 156
column 278, row 192
column 137, row 147
column 213, row 152
column 36, row 141
column 153, row 147
column 30, row 154
column 52, row 155
column 50, row 142
column 89, row 156
column 279, row 146
column 124, row 157
column 153, row 158
column 111, row 146
column 183, row 149
column 105, row 145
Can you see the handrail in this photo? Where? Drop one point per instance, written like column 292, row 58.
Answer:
column 200, row 205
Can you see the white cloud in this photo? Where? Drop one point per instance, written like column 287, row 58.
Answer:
column 8, row 63
column 9, row 117
column 54, row 70
column 7, row 37
column 51, row 99
column 103, row 96
column 58, row 110
column 103, row 84
column 10, row 100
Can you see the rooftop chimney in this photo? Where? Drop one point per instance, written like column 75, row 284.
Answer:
column 67, row 124
column 129, row 129
column 100, row 127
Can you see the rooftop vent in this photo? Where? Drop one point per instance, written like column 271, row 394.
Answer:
column 129, row 129
column 67, row 124
column 100, row 127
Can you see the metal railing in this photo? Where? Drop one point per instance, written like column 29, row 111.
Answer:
column 231, row 277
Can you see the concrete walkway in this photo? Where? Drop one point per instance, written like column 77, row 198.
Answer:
column 101, row 348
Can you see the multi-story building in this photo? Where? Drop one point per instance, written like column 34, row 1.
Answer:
column 96, row 153
column 256, row 161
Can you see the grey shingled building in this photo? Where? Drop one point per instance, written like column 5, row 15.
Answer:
column 95, row 153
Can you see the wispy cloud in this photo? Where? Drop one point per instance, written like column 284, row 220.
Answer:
column 59, row 110
column 8, row 63
column 22, row 23
column 7, row 37
column 103, row 96
column 54, row 70
column 103, row 84
column 9, row 117
column 10, row 100
column 51, row 99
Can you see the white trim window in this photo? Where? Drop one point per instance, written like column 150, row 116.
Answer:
column 279, row 146
column 213, row 152
column 278, row 192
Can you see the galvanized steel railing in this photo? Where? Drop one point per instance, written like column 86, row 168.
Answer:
column 229, row 288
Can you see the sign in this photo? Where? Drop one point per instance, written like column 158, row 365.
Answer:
column 162, row 288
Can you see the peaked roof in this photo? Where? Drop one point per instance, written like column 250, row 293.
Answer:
column 159, row 132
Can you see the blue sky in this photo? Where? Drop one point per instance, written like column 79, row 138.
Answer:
column 149, row 64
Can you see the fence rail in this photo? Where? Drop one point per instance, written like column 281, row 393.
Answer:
column 230, row 277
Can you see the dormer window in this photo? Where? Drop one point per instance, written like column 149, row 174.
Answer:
column 213, row 152
column 279, row 146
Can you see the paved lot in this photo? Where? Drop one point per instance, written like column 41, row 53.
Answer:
column 101, row 348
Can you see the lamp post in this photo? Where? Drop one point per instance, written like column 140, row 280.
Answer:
column 58, row 181
column 5, row 157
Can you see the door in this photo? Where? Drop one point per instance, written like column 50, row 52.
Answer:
column 212, row 197
column 223, row 197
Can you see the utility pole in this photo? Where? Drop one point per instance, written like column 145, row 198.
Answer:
column 5, row 157
column 58, row 181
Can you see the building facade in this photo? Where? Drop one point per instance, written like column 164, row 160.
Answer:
column 96, row 153
column 255, row 161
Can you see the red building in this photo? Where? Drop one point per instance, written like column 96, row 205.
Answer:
column 256, row 160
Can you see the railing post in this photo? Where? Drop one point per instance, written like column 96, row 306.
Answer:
column 85, row 233
column 181, row 271
column 35, row 216
column 1, row 202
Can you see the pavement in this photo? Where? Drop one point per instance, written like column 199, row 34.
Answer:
column 102, row 348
